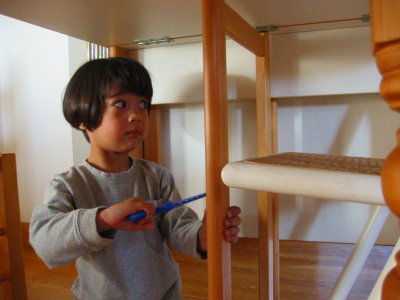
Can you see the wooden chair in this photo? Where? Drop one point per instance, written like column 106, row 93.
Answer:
column 12, row 272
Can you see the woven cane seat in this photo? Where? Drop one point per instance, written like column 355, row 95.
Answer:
column 344, row 178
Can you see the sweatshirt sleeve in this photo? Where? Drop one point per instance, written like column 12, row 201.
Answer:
column 181, row 225
column 59, row 233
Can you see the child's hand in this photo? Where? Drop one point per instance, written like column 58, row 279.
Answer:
column 115, row 216
column 231, row 228
column 231, row 224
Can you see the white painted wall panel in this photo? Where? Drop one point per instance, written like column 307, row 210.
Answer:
column 325, row 62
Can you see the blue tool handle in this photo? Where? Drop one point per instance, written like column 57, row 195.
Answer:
column 137, row 216
column 141, row 214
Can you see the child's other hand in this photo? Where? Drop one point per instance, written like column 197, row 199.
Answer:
column 231, row 228
column 115, row 216
column 231, row 224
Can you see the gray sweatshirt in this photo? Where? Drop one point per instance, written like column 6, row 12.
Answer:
column 129, row 264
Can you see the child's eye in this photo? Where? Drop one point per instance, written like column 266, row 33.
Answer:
column 144, row 104
column 120, row 104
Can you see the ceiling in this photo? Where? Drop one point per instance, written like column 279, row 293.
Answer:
column 121, row 22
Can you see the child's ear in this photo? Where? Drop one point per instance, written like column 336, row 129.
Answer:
column 84, row 131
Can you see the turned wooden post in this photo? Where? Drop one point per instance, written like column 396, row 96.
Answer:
column 386, row 46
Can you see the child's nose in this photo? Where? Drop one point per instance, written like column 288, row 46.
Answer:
column 134, row 115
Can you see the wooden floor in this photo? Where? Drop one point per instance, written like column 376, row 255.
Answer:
column 308, row 271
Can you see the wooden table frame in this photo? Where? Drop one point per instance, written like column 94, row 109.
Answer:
column 220, row 20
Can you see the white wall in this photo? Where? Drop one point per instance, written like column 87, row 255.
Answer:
column 326, row 62
column 33, row 73
column 305, row 66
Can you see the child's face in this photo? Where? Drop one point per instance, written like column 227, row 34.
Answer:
column 124, row 124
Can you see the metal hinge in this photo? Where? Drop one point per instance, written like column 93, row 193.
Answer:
column 267, row 28
column 164, row 39
column 365, row 18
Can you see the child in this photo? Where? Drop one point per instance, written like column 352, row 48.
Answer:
column 86, row 210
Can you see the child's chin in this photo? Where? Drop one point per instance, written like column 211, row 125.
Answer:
column 134, row 147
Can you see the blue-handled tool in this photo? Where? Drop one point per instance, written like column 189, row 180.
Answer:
column 141, row 214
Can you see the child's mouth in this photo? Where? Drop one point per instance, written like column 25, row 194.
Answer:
column 134, row 132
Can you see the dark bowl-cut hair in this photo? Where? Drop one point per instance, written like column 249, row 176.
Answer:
column 94, row 81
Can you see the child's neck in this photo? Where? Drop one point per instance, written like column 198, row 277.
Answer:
column 115, row 163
